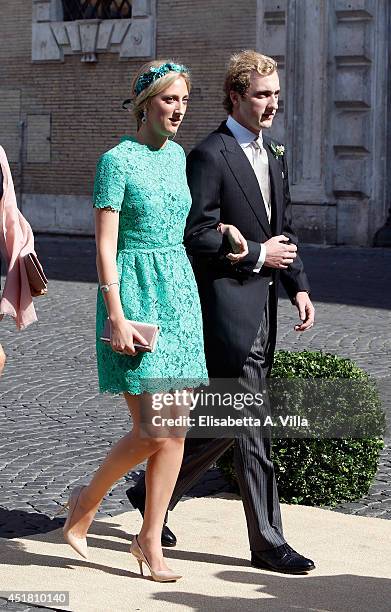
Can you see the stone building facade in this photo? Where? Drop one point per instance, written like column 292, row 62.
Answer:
column 62, row 84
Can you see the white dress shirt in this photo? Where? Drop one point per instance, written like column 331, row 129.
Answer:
column 246, row 139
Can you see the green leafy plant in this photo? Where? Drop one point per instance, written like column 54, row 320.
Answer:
column 325, row 470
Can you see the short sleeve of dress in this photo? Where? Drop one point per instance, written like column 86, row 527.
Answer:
column 109, row 185
column 183, row 154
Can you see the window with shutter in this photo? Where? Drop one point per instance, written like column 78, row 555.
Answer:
column 90, row 27
column 96, row 9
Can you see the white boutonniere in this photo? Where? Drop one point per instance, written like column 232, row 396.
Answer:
column 278, row 150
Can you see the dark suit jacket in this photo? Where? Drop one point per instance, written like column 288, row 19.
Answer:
column 224, row 188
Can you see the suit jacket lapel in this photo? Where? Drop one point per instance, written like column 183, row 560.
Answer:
column 245, row 176
column 277, row 195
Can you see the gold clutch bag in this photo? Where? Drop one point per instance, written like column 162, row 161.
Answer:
column 35, row 274
column 149, row 331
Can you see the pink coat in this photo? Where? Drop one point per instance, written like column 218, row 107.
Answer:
column 16, row 240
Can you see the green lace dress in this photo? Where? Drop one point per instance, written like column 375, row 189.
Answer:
column 148, row 188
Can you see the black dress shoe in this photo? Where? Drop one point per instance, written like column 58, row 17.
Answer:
column 168, row 537
column 282, row 559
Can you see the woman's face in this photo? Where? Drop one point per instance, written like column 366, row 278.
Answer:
column 166, row 110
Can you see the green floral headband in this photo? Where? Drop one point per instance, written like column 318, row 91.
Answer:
column 155, row 73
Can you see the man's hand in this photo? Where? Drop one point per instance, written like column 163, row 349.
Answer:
column 237, row 242
column 279, row 254
column 306, row 311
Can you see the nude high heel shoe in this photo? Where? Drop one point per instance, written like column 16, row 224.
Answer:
column 157, row 575
column 78, row 544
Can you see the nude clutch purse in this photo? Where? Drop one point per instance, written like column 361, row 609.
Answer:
column 35, row 274
column 148, row 330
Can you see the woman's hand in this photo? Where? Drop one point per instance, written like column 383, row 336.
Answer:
column 35, row 293
column 237, row 241
column 123, row 337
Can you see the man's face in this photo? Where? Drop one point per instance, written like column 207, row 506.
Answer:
column 257, row 108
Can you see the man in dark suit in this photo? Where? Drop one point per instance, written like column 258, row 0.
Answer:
column 238, row 178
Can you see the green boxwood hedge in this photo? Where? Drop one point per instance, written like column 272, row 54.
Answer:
column 324, row 471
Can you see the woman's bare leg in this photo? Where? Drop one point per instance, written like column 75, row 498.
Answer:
column 2, row 359
column 160, row 478
column 129, row 451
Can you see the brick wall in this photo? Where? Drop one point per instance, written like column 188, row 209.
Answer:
column 84, row 100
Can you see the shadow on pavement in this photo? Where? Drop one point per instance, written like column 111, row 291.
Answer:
column 67, row 258
column 279, row 593
column 354, row 276
column 357, row 276
column 19, row 523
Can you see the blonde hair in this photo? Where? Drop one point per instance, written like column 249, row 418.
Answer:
column 140, row 101
column 240, row 67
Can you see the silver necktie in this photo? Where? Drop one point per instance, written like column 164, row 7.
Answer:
column 261, row 169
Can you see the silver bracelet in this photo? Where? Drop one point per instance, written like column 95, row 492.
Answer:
column 106, row 288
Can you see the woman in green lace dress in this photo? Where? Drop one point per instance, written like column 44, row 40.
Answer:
column 141, row 201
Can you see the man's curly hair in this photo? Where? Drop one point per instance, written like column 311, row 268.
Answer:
column 240, row 67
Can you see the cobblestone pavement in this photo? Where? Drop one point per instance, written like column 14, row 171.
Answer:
column 56, row 428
